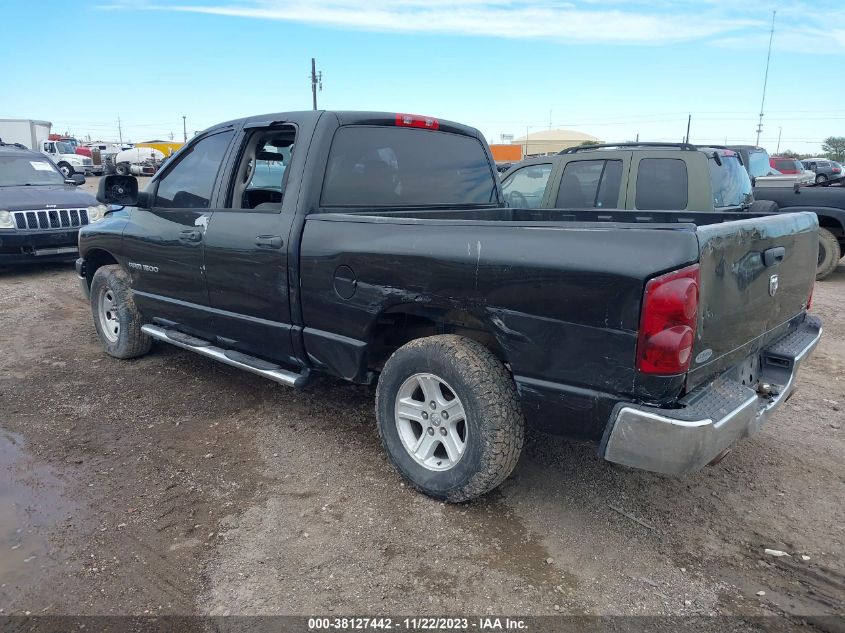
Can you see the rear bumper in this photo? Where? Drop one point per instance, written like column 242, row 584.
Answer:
column 678, row 441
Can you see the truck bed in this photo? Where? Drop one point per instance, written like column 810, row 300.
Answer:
column 540, row 280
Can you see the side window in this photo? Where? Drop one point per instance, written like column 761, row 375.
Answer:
column 525, row 187
column 259, row 180
column 590, row 183
column 662, row 183
column 188, row 184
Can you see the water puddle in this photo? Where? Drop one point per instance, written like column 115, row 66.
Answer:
column 31, row 507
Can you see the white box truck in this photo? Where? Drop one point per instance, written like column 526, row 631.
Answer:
column 35, row 135
column 27, row 132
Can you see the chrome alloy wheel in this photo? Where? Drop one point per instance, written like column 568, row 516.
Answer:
column 107, row 311
column 431, row 422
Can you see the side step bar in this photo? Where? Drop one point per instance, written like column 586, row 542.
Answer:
column 235, row 359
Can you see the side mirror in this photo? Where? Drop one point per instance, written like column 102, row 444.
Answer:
column 118, row 190
column 753, row 181
column 796, row 188
column 75, row 180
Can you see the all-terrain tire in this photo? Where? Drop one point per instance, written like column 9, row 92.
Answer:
column 829, row 253
column 112, row 282
column 493, row 416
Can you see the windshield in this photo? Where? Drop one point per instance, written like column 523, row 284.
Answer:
column 16, row 171
column 758, row 164
column 64, row 148
column 731, row 183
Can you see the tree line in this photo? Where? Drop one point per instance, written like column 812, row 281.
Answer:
column 833, row 147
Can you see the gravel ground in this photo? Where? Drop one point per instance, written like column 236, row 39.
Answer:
column 172, row 484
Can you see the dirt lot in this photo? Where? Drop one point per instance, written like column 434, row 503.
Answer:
column 171, row 484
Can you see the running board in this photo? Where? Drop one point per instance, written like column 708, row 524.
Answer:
column 235, row 359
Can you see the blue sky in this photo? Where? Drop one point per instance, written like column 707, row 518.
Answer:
column 608, row 68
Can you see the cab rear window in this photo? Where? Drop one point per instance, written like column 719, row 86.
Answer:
column 373, row 166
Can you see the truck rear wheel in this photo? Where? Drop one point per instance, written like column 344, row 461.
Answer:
column 116, row 319
column 829, row 253
column 449, row 417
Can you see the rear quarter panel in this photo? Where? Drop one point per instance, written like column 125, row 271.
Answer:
column 562, row 300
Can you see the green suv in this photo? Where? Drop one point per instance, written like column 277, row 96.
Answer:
column 632, row 176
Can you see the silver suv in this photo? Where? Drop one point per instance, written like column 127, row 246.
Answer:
column 826, row 170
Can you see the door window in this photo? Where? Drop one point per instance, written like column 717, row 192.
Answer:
column 590, row 183
column 260, row 178
column 662, row 184
column 188, row 183
column 525, row 187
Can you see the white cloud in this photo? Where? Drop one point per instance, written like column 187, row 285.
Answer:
column 564, row 21
column 724, row 22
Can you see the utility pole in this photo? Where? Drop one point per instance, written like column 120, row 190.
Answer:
column 689, row 120
column 184, row 129
column 780, row 131
column 119, row 130
column 766, row 78
column 316, row 80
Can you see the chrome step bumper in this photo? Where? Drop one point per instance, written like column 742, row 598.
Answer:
column 235, row 359
column 678, row 441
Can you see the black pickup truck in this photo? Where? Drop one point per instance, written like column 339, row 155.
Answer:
column 378, row 247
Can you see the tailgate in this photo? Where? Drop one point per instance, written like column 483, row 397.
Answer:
column 756, row 277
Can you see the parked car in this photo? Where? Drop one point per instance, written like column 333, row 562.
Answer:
column 390, row 257
column 828, row 203
column 632, row 176
column 826, row 171
column 758, row 164
column 786, row 164
column 678, row 175
column 41, row 211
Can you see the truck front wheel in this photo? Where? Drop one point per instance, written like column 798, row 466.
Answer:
column 829, row 253
column 116, row 319
column 123, row 169
column 449, row 417
column 66, row 169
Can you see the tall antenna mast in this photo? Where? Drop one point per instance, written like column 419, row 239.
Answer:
column 766, row 78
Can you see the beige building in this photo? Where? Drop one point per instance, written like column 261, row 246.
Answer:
column 551, row 141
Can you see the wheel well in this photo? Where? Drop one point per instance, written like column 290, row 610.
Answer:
column 402, row 324
column 94, row 259
column 833, row 225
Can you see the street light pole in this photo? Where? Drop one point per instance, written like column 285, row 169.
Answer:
column 184, row 129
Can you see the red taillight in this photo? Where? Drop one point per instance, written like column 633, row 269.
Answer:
column 667, row 322
column 415, row 120
column 836, row 170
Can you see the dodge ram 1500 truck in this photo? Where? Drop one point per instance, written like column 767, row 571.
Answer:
column 377, row 247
